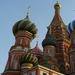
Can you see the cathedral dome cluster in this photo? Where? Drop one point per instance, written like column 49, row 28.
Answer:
column 25, row 25
column 71, row 26
column 57, row 55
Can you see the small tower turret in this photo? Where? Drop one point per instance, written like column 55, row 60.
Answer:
column 49, row 44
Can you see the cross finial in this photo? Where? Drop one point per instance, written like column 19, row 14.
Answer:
column 28, row 10
column 57, row 1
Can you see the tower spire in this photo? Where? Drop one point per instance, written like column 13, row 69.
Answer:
column 37, row 40
column 36, row 43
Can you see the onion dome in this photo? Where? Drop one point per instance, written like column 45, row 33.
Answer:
column 36, row 50
column 25, row 25
column 71, row 26
column 29, row 58
column 50, row 40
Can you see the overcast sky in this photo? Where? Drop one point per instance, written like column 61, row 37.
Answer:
column 41, row 13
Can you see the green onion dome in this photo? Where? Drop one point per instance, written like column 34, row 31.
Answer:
column 29, row 58
column 25, row 25
column 50, row 40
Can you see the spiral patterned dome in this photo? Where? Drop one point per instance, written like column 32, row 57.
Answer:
column 71, row 26
column 29, row 58
column 25, row 25
column 50, row 40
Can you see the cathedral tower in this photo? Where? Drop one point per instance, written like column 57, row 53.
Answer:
column 24, row 32
column 58, row 29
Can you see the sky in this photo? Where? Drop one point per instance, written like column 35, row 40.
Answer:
column 41, row 13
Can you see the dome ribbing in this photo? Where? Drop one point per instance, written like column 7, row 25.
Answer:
column 29, row 58
column 25, row 25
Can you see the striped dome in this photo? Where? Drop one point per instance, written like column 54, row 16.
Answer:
column 25, row 25
column 71, row 26
column 29, row 58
